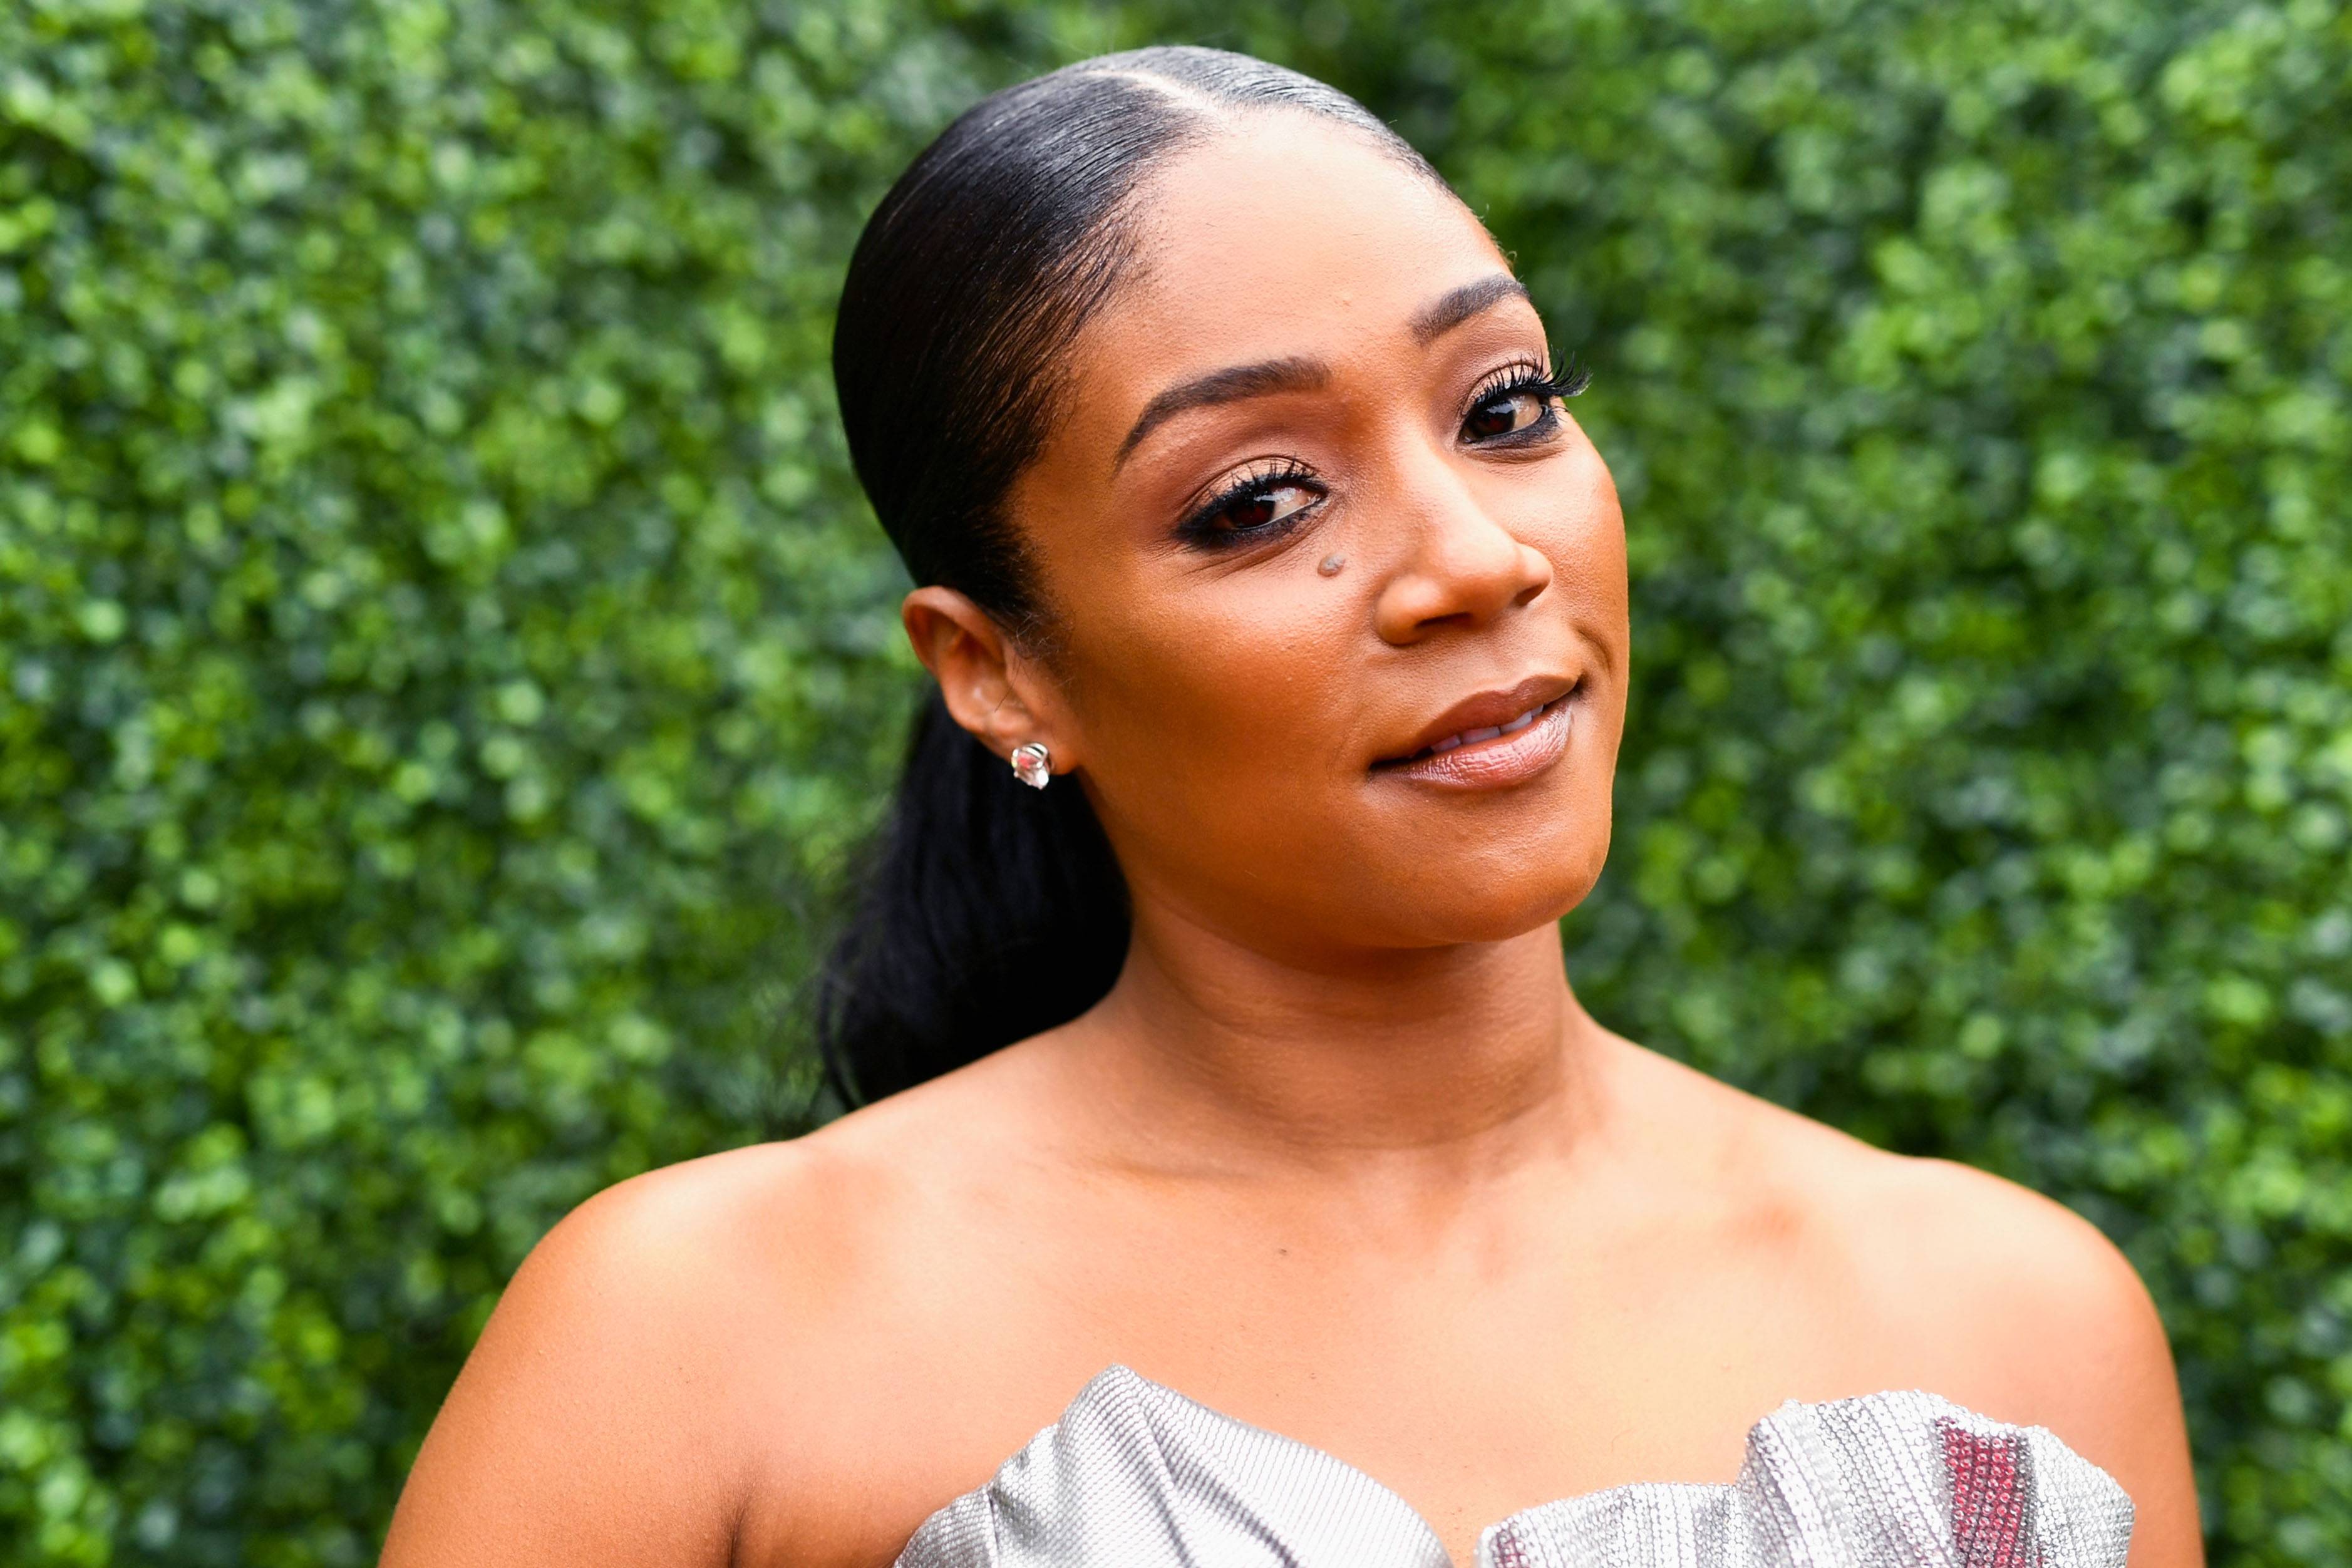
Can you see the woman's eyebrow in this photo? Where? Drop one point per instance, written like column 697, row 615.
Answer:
column 1228, row 385
column 1449, row 310
column 1297, row 374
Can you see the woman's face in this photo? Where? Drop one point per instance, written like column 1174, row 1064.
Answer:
column 1313, row 532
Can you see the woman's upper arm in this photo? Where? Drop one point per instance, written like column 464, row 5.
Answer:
column 590, row 1425
column 2110, row 1368
column 2061, row 1320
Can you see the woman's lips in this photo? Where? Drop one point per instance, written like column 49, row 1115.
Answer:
column 1494, row 757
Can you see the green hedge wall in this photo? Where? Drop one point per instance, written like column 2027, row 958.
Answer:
column 443, row 658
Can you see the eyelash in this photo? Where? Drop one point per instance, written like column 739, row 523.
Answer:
column 1570, row 379
column 1200, row 527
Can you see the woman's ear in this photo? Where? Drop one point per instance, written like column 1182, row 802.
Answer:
column 991, row 687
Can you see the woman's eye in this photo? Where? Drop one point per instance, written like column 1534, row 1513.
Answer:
column 1509, row 410
column 1261, row 508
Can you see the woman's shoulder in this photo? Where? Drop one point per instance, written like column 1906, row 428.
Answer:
column 597, row 1413
column 809, row 1219
column 1929, row 1273
column 1922, row 1235
column 2002, row 1248
column 628, row 1386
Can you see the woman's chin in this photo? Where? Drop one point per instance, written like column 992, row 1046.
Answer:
column 1494, row 924
column 1445, row 911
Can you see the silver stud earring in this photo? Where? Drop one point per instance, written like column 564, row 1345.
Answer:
column 1032, row 764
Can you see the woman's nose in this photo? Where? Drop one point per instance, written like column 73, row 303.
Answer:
column 1464, row 569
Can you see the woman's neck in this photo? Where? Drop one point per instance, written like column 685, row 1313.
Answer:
column 1464, row 1057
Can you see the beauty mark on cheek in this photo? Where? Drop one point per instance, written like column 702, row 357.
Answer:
column 1331, row 564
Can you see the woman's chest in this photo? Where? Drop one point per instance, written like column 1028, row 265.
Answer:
column 1469, row 1387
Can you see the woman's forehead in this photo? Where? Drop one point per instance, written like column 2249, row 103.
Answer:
column 1279, row 236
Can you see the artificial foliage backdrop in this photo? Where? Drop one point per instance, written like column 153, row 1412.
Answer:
column 444, row 661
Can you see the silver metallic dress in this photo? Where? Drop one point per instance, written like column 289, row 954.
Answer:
column 1136, row 1476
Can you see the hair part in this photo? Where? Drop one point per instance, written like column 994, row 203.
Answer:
column 988, row 913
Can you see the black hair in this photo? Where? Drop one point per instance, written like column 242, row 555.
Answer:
column 989, row 912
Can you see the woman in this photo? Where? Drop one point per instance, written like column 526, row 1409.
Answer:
column 1250, row 524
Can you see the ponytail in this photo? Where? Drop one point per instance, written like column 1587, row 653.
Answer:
column 990, row 912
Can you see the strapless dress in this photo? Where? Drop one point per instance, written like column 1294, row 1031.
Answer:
column 1136, row 1476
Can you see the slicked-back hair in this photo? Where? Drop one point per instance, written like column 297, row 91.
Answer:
column 988, row 912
